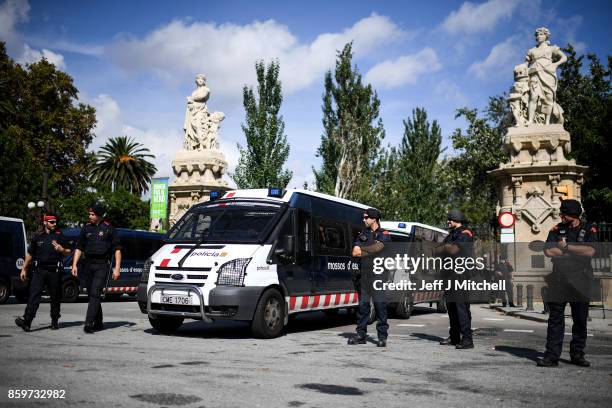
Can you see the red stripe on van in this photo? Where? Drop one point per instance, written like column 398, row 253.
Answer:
column 292, row 303
column 316, row 301
column 347, row 297
column 327, row 300
column 304, row 302
column 176, row 250
column 230, row 195
column 338, row 295
column 164, row 262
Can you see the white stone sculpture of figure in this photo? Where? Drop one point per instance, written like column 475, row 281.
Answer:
column 215, row 119
column 543, row 61
column 519, row 95
column 196, row 116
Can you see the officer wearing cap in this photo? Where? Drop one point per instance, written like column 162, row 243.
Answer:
column 457, row 244
column 369, row 243
column 45, row 253
column 570, row 246
column 98, row 241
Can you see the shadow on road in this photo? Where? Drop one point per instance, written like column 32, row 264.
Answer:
column 429, row 337
column 522, row 352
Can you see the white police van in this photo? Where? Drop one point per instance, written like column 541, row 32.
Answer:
column 254, row 255
column 420, row 240
column 12, row 256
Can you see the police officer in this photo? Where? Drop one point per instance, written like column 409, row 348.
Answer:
column 369, row 243
column 458, row 243
column 504, row 271
column 98, row 240
column 45, row 253
column 569, row 244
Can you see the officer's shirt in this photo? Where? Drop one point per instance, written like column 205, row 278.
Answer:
column 41, row 247
column 367, row 237
column 98, row 241
column 462, row 236
column 572, row 234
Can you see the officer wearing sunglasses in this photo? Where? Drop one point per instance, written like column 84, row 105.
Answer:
column 45, row 253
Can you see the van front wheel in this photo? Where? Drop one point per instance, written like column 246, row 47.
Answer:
column 269, row 317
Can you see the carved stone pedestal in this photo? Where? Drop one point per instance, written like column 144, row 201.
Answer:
column 197, row 174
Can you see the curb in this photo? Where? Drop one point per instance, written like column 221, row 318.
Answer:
column 520, row 314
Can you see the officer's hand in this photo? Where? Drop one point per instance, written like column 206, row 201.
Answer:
column 58, row 247
column 116, row 274
column 23, row 275
column 356, row 251
column 75, row 271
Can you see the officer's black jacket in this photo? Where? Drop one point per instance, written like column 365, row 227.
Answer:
column 98, row 241
column 41, row 248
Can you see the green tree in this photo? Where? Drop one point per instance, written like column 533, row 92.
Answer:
column 352, row 133
column 411, row 187
column 124, row 209
column 586, row 99
column 122, row 165
column 261, row 161
column 480, row 149
column 43, row 108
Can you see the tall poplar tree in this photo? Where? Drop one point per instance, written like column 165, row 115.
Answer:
column 352, row 132
column 261, row 161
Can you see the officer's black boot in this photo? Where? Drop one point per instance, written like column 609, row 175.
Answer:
column 381, row 343
column 54, row 324
column 448, row 342
column 580, row 361
column 356, row 340
column 23, row 323
column 465, row 344
column 88, row 328
column 547, row 362
column 98, row 325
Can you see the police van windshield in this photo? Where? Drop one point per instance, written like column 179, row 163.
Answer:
column 236, row 222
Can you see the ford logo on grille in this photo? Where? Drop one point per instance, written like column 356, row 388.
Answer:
column 177, row 276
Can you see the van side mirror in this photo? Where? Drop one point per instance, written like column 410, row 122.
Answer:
column 285, row 247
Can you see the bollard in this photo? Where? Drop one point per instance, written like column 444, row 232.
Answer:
column 544, row 293
column 529, row 297
column 519, row 295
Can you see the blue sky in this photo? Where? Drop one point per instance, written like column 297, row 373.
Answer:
column 136, row 61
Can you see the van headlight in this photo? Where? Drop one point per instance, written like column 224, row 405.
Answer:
column 232, row 273
column 144, row 276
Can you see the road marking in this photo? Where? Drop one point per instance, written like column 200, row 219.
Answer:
column 493, row 319
column 588, row 335
column 410, row 325
column 518, row 331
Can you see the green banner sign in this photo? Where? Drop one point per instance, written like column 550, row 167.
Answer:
column 159, row 204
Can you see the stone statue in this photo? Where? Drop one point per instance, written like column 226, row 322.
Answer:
column 201, row 126
column 519, row 95
column 543, row 61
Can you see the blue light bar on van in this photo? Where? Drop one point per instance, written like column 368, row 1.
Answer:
column 275, row 192
column 401, row 225
column 214, row 195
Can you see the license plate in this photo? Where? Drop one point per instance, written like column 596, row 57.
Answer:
column 176, row 300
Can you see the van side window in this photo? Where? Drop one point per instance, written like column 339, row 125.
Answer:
column 331, row 237
column 304, row 236
column 6, row 244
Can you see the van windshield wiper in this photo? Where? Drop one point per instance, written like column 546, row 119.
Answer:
column 201, row 241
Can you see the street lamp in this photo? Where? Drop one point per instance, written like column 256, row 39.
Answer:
column 31, row 205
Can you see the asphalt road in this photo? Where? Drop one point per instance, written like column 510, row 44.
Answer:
column 220, row 365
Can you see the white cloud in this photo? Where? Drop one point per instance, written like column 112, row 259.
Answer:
column 226, row 53
column 12, row 13
column 474, row 18
column 404, row 70
column 568, row 28
column 501, row 60
column 30, row 56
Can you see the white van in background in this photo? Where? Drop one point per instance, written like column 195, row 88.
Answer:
column 13, row 247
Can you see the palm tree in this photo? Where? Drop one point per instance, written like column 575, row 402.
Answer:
column 122, row 163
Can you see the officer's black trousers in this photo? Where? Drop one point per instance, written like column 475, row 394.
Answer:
column 96, row 275
column 460, row 319
column 556, row 329
column 42, row 277
column 380, row 307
